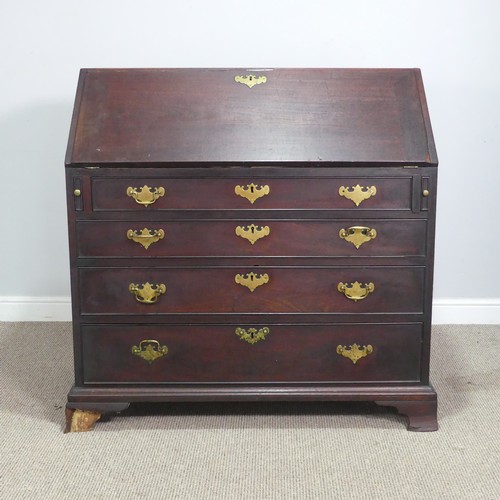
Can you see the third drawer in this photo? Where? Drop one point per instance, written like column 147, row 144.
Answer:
column 252, row 289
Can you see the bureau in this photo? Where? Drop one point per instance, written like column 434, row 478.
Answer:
column 251, row 235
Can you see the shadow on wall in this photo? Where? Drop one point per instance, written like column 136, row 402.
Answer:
column 33, row 201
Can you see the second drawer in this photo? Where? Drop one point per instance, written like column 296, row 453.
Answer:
column 345, row 237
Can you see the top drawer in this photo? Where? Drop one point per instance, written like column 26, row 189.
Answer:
column 340, row 193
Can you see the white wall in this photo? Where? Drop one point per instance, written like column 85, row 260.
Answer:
column 43, row 45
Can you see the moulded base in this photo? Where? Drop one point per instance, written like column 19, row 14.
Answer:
column 417, row 402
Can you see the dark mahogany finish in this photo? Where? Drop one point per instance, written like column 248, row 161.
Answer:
column 198, row 134
column 285, row 194
column 289, row 353
column 289, row 290
column 203, row 116
column 395, row 238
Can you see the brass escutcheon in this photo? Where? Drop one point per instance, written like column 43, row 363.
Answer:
column 250, row 80
column 252, row 335
column 357, row 194
column 145, row 195
column 149, row 350
column 147, row 293
column 251, row 280
column 357, row 235
column 252, row 192
column 252, row 233
column 356, row 291
column 146, row 237
column 354, row 352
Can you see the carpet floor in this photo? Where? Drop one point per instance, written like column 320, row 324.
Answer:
column 248, row 450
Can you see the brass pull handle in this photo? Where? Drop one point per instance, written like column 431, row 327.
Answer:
column 145, row 195
column 145, row 237
column 252, row 192
column 147, row 293
column 354, row 352
column 357, row 194
column 252, row 233
column 250, row 80
column 251, row 280
column 252, row 335
column 149, row 350
column 356, row 291
column 357, row 235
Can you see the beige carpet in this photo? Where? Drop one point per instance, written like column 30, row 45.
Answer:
column 248, row 451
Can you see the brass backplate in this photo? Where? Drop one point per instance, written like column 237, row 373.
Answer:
column 252, row 335
column 356, row 291
column 145, row 195
column 147, row 293
column 250, row 80
column 146, row 237
column 251, row 280
column 252, row 233
column 149, row 350
column 357, row 235
column 252, row 192
column 354, row 352
column 357, row 194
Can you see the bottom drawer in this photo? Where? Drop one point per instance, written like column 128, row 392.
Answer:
column 251, row 353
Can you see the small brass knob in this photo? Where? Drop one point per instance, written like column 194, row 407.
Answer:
column 425, row 192
column 77, row 192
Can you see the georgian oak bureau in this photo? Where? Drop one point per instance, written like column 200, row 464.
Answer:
column 251, row 235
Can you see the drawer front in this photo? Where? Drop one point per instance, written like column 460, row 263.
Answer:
column 395, row 289
column 152, row 194
column 279, row 353
column 246, row 238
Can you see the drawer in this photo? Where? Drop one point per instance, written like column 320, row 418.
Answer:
column 251, row 289
column 152, row 194
column 279, row 353
column 246, row 238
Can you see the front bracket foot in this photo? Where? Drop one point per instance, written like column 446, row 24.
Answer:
column 80, row 420
column 422, row 415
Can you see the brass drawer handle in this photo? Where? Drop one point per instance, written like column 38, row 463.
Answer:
column 252, row 233
column 250, row 80
column 357, row 235
column 251, row 280
column 356, row 291
column 145, row 195
column 147, row 293
column 354, row 352
column 357, row 194
column 252, row 335
column 146, row 237
column 252, row 192
column 149, row 350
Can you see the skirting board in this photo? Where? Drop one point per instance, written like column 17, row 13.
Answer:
column 467, row 311
column 35, row 309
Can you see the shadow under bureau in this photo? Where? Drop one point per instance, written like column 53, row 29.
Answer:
column 251, row 235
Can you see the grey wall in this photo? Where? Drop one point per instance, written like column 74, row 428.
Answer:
column 43, row 45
